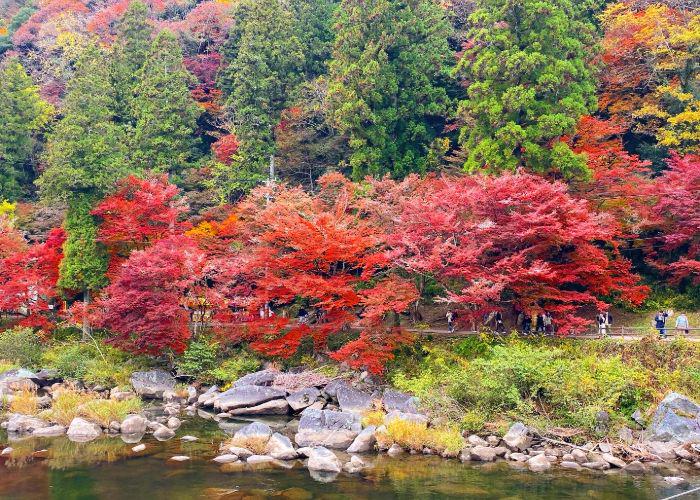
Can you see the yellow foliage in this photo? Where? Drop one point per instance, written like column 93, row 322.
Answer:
column 374, row 417
column 257, row 445
column 66, row 406
column 7, row 209
column 416, row 436
column 25, row 402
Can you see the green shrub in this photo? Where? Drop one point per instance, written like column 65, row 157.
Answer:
column 20, row 345
column 233, row 368
column 104, row 411
column 198, row 358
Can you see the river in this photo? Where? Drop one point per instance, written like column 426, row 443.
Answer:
column 108, row 469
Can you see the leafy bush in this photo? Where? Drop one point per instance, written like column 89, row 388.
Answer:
column 25, row 402
column 7, row 365
column 233, row 368
column 415, row 436
column 20, row 345
column 198, row 358
column 66, row 406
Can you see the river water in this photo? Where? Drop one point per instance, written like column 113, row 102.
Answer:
column 108, row 469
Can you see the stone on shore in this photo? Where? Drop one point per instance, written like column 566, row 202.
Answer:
column 163, row 433
column 332, row 429
column 152, row 384
column 395, row 400
column 613, row 460
column 539, row 463
column 226, row 459
column 570, row 465
column 280, row 447
column 274, row 407
column 475, row 440
column 483, row 453
column 677, row 418
column 243, row 453
column 80, row 430
column 323, row 459
column 518, row 437
column 51, row 431
column 407, row 417
column 246, row 396
column 254, row 431
column 364, row 441
column 134, row 424
column 261, row 378
column 352, row 400
column 304, row 398
column 636, row 467
column 24, row 424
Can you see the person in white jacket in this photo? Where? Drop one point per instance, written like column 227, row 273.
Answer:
column 682, row 323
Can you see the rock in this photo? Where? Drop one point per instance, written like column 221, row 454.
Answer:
column 259, row 459
column 598, row 465
column 517, row 438
column 6, row 451
column 152, row 384
column 539, row 463
column 602, row 422
column 409, row 417
column 257, row 431
column 51, row 431
column 683, row 453
column 518, row 457
column 565, row 464
column 677, row 418
column 395, row 400
column 243, row 453
column 138, row 448
column 364, row 441
column 483, row 453
column 80, row 430
column 24, row 424
column 626, row 435
column 567, row 457
column 394, row 450
column 604, row 447
column 274, row 407
column 638, row 418
column 663, row 450
column 353, row 401
column 475, row 440
column 613, row 460
column 180, row 458
column 580, row 456
column 118, row 395
column 304, row 398
column 331, row 387
column 114, row 427
column 333, row 429
column 134, row 424
column 493, row 440
column 246, row 396
column 163, row 433
column 635, row 467
column 261, row 378
column 280, row 447
column 674, row 480
column 207, row 398
column 357, row 461
column 17, row 379
column 189, row 439
column 323, row 459
column 131, row 438
column 226, row 459
column 173, row 423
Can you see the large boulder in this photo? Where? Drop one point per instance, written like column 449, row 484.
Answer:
column 134, row 424
column 246, row 396
column 331, row 388
column 152, row 384
column 256, row 430
column 352, row 400
column 395, row 400
column 51, row 431
column 261, row 378
column 364, row 441
column 416, row 418
column 333, row 429
column 677, row 418
column 273, row 407
column 304, row 398
column 17, row 379
column 280, row 447
column 323, row 459
column 518, row 437
column 24, row 424
column 80, row 430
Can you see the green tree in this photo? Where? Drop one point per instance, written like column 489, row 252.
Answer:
column 128, row 55
column 527, row 82
column 166, row 116
column 23, row 114
column 314, row 22
column 264, row 63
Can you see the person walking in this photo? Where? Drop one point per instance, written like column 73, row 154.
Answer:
column 450, row 321
column 500, row 326
column 539, row 323
column 682, row 323
column 547, row 323
column 527, row 324
column 605, row 321
column 660, row 323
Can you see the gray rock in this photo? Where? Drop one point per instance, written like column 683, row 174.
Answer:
column 114, row 427
column 565, row 464
column 80, row 430
column 580, row 456
column 17, row 379
column 635, row 467
column 674, row 480
column 259, row 459
column 6, row 451
column 261, row 378
column 134, row 424
column 242, row 453
column 409, row 417
column 256, row 430
column 280, row 447
column 163, row 433
column 602, row 422
column 208, row 397
column 246, row 396
column 24, row 424
column 273, row 407
column 302, row 399
column 152, row 384
column 323, row 459
column 518, row 457
column 677, row 418
column 131, row 438
column 173, row 423
column 663, row 450
column 395, row 400
column 138, row 448
column 539, row 463
column 626, row 435
column 475, row 440
column 333, row 429
column 353, row 401
column 483, row 453
column 613, row 460
column 598, row 465
column 518, row 437
column 180, row 458
column 639, row 418
column 226, row 459
column 364, row 441
column 331, row 388
column 394, row 450
column 51, row 431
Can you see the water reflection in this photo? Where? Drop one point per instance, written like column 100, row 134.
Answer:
column 108, row 469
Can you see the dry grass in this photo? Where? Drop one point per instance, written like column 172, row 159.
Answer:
column 104, row 411
column 25, row 402
column 416, row 436
column 66, row 406
column 373, row 417
column 257, row 445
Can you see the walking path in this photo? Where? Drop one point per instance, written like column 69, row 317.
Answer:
column 624, row 333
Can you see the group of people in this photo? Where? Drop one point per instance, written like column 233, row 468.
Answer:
column 661, row 319
column 544, row 322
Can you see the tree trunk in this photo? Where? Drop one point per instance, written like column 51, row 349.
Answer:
column 86, row 321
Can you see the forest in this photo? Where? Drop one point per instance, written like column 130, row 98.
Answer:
column 293, row 175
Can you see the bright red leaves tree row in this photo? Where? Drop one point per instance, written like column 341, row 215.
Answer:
column 284, row 266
